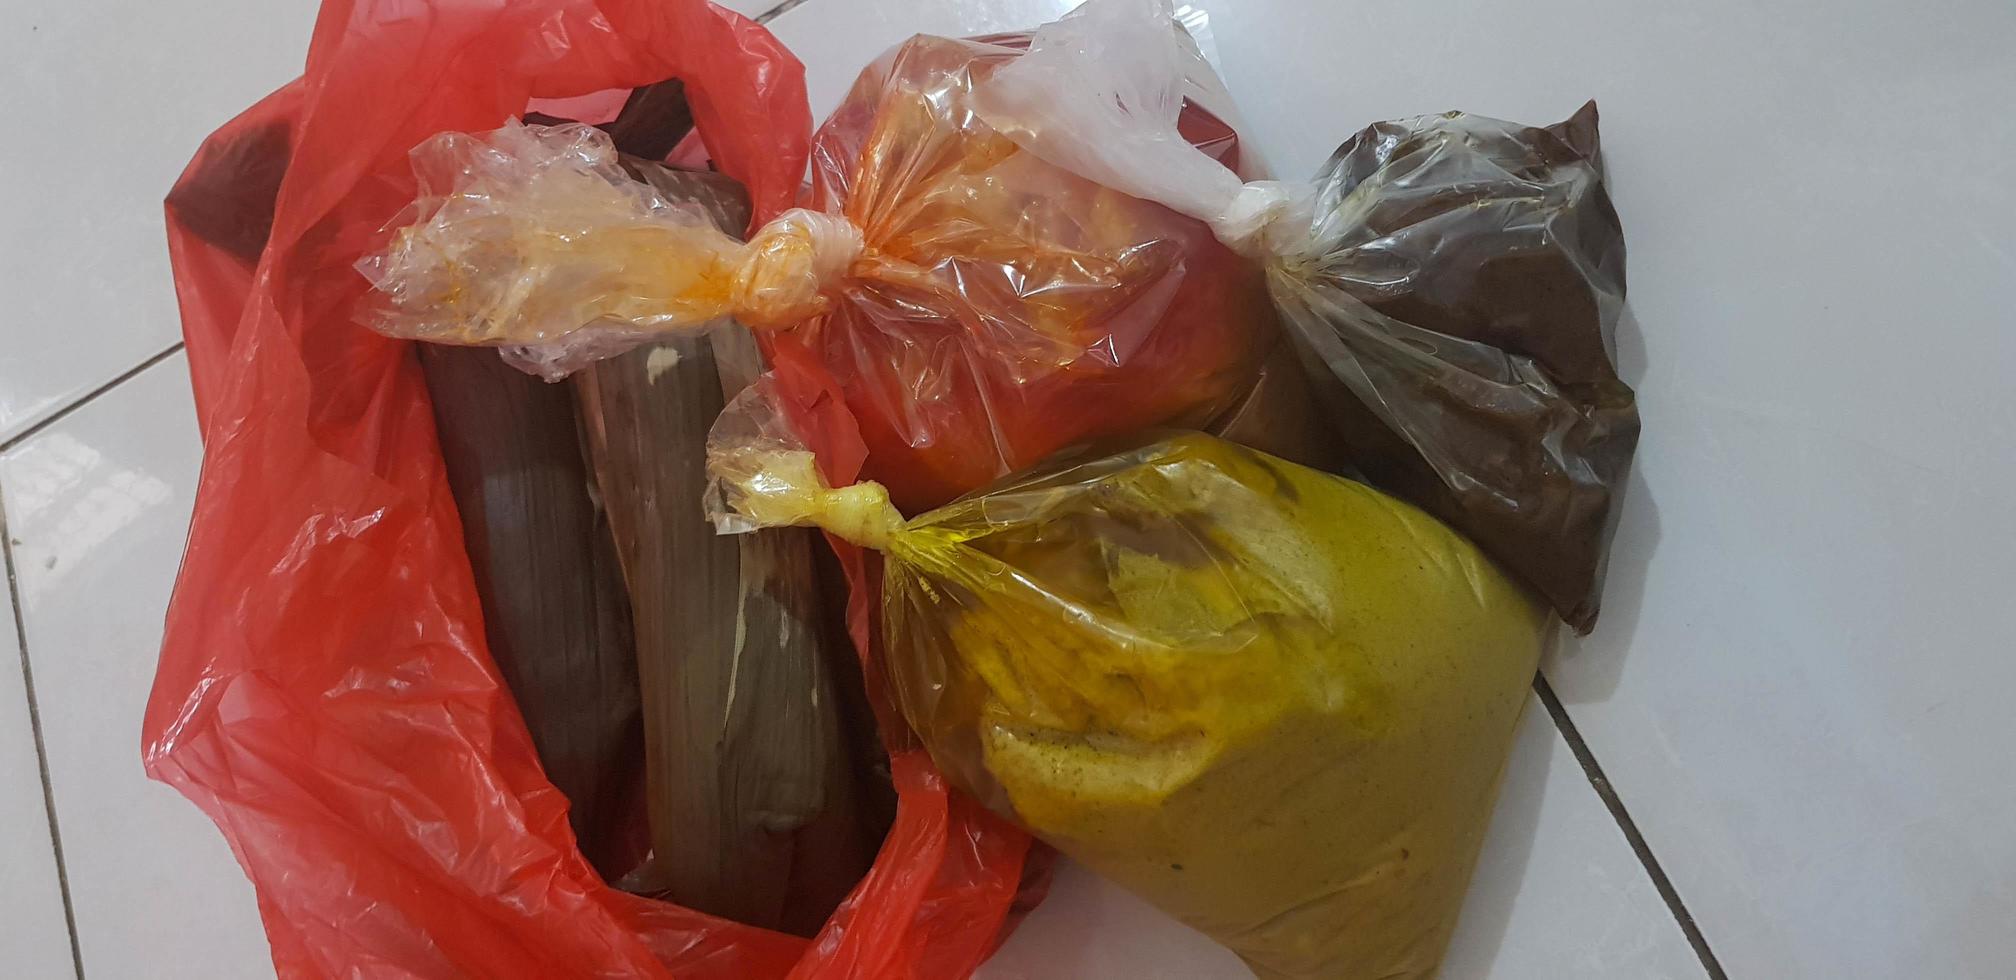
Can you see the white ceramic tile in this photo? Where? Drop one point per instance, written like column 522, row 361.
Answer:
column 99, row 502
column 122, row 95
column 1800, row 686
column 34, row 941
column 1090, row 929
column 1558, row 895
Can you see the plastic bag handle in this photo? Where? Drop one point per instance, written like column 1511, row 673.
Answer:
column 1098, row 93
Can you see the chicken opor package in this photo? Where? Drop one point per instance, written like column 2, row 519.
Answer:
column 977, row 307
column 1450, row 283
column 1271, row 701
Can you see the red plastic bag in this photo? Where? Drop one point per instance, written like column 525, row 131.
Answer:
column 324, row 690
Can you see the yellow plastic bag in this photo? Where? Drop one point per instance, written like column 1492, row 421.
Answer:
column 1272, row 701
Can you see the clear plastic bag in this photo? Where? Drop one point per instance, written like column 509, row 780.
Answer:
column 1271, row 701
column 1449, row 281
column 537, row 238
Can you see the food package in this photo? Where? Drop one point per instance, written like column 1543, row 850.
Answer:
column 555, row 615
column 1002, row 307
column 750, row 779
column 752, row 787
column 1450, row 282
column 977, row 307
column 1271, row 701
column 1467, row 276
column 325, row 690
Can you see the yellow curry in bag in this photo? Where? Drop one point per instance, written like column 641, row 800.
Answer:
column 1271, row 701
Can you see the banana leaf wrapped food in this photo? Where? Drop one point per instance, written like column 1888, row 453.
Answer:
column 754, row 802
column 554, row 610
column 1272, row 701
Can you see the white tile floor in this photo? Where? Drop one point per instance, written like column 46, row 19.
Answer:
column 1799, row 689
column 35, row 939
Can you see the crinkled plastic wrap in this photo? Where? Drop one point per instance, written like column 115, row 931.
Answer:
column 1005, row 307
column 977, row 307
column 325, row 690
column 1450, row 282
column 1271, row 701
column 538, row 239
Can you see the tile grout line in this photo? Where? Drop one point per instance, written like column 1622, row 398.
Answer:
column 62, row 413
column 778, row 11
column 21, row 639
column 1608, row 793
column 41, row 748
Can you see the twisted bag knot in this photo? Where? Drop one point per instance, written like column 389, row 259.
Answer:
column 789, row 265
column 1260, row 221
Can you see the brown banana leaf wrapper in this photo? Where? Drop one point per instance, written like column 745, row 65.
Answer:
column 1454, row 314
column 751, row 785
column 554, row 611
column 874, row 785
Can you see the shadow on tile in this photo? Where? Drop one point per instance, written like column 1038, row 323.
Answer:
column 1586, row 669
column 1508, row 847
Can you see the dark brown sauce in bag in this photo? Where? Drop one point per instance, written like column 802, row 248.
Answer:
column 1455, row 320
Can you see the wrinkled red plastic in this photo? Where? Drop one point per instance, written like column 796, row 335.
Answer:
column 324, row 691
